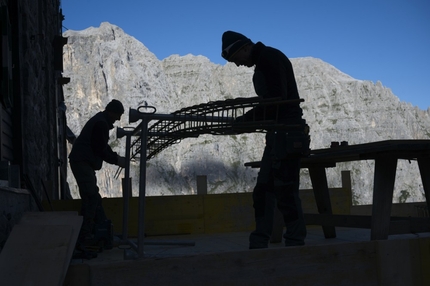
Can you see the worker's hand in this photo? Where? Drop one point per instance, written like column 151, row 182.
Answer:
column 121, row 161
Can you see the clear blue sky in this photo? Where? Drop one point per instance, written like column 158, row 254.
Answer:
column 385, row 40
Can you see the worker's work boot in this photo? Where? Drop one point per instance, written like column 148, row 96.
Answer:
column 260, row 237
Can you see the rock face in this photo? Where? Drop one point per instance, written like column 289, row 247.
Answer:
column 105, row 63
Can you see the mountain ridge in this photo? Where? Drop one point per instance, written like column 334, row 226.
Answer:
column 105, row 63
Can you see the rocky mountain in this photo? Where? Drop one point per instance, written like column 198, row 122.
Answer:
column 105, row 63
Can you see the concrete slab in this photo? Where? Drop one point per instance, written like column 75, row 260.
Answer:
column 224, row 259
column 158, row 246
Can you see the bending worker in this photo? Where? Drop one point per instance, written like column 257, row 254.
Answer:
column 278, row 179
column 89, row 151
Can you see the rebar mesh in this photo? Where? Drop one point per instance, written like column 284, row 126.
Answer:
column 216, row 118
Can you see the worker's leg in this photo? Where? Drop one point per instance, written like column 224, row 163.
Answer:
column 86, row 179
column 99, row 216
column 286, row 187
column 264, row 204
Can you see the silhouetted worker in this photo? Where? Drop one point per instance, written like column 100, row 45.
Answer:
column 278, row 179
column 89, row 151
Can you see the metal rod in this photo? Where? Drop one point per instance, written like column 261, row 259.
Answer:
column 126, row 190
column 170, row 242
column 142, row 188
column 179, row 117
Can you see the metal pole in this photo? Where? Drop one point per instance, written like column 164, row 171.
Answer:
column 142, row 188
column 146, row 117
column 126, row 190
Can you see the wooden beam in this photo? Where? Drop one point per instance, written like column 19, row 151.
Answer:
column 397, row 225
column 322, row 196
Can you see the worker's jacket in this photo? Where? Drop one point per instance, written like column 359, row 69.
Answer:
column 92, row 146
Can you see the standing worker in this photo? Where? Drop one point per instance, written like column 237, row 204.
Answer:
column 278, row 179
column 89, row 151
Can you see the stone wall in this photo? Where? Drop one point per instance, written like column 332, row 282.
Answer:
column 36, row 28
column 37, row 121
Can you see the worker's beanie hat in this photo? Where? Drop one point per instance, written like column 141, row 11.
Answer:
column 232, row 42
column 115, row 106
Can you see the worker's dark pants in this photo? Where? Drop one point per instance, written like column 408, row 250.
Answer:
column 91, row 208
column 277, row 184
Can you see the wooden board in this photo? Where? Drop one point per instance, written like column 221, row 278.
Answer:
column 228, row 213
column 199, row 213
column 39, row 249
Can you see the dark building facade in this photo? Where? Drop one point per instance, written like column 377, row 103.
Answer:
column 32, row 115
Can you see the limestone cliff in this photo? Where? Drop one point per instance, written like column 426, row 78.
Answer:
column 105, row 63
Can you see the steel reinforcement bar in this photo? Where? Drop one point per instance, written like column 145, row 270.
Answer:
column 216, row 118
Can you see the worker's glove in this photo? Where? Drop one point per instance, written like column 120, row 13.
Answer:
column 121, row 162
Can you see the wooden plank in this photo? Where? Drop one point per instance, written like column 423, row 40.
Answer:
column 354, row 221
column 173, row 214
column 174, row 226
column 322, row 196
column 36, row 255
column 346, row 181
column 424, row 165
column 55, row 218
column 113, row 208
column 174, row 207
column 416, row 209
column 385, row 174
column 400, row 225
column 202, row 185
column 397, row 225
column 228, row 213
column 305, row 162
column 51, row 218
column 39, row 249
column 340, row 199
column 401, row 149
column 220, row 212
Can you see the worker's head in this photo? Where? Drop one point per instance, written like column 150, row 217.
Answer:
column 236, row 48
column 115, row 109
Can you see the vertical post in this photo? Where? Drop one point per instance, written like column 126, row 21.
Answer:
column 142, row 188
column 202, row 185
column 126, row 188
column 322, row 196
column 424, row 165
column 346, row 180
column 383, row 186
column 347, row 186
